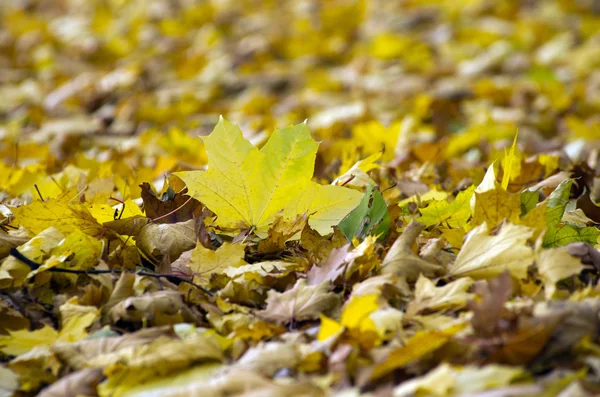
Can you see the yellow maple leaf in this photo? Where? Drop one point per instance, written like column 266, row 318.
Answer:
column 494, row 206
column 246, row 187
column 204, row 262
column 63, row 212
column 354, row 317
column 422, row 343
column 454, row 214
column 511, row 164
column 485, row 256
column 22, row 341
column 106, row 213
column 73, row 329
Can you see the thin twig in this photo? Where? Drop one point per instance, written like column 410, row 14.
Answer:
column 34, row 265
column 389, row 187
column 38, row 192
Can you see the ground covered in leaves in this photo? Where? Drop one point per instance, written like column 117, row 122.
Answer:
column 398, row 200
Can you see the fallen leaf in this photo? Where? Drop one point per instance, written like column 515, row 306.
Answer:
column 301, row 302
column 282, row 169
column 487, row 313
column 62, row 213
column 162, row 241
column 280, row 232
column 204, row 263
column 82, row 382
column 370, row 218
column 9, row 382
column 486, row 256
column 428, row 297
column 22, row 341
column 401, row 261
column 496, row 205
column 453, row 214
column 171, row 207
column 422, row 343
column 332, row 269
column 357, row 175
column 555, row 264
column 158, row 308
column 449, row 380
column 13, row 272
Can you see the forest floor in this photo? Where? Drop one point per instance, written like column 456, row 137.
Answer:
column 299, row 198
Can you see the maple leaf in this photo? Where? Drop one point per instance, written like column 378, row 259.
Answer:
column 422, row 343
column 246, row 187
column 561, row 234
column 485, row 256
column 428, row 297
column 400, row 260
column 454, row 214
column 73, row 329
column 356, row 318
column 280, row 232
column 205, row 262
column 496, row 205
column 555, row 264
column 63, row 213
column 301, row 302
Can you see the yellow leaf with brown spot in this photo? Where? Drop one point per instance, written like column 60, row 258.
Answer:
column 496, row 205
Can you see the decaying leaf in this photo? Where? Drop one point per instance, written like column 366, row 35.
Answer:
column 427, row 224
column 82, row 382
column 301, row 302
column 555, row 264
column 159, row 308
column 400, row 260
column 163, row 241
column 422, row 343
column 487, row 313
column 171, row 207
column 428, row 297
column 204, row 262
column 485, row 256
column 331, row 269
column 280, row 232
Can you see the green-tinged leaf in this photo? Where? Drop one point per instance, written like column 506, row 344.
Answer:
column 452, row 214
column 557, row 202
column 370, row 218
column 561, row 234
column 557, row 236
column 529, row 199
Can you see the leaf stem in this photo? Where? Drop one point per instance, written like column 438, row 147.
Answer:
column 352, row 176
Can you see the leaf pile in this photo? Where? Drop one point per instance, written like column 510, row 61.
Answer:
column 299, row 198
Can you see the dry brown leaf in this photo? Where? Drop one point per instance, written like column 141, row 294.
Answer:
column 82, row 382
column 301, row 302
column 166, row 242
column 401, row 261
column 281, row 231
